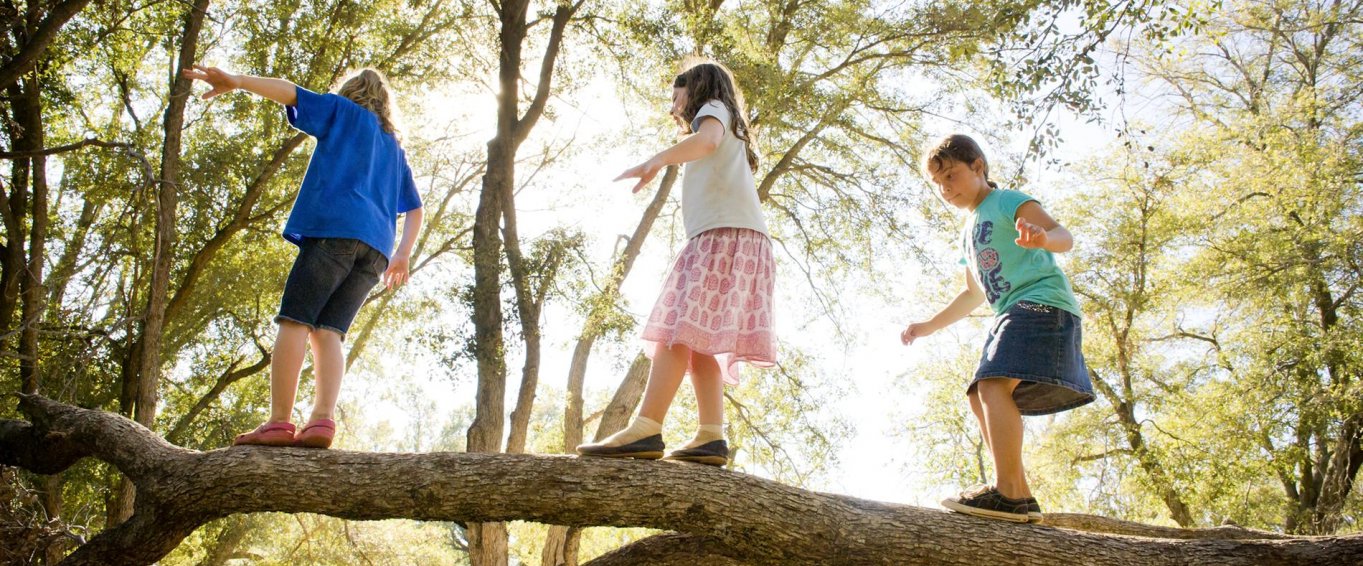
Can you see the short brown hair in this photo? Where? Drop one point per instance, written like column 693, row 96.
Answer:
column 959, row 148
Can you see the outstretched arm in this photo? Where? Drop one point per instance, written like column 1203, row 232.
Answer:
column 278, row 90
column 962, row 305
column 695, row 146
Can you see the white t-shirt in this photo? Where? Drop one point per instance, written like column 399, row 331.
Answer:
column 718, row 190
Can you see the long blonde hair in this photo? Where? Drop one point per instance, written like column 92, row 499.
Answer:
column 369, row 88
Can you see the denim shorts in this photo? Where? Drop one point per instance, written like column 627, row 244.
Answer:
column 1041, row 346
column 329, row 281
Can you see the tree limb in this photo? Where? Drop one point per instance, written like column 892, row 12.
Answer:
column 28, row 55
column 758, row 520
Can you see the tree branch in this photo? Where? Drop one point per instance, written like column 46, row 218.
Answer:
column 41, row 39
column 753, row 520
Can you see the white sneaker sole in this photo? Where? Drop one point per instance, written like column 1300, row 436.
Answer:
column 985, row 513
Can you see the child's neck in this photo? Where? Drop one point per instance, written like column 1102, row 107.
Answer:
column 979, row 198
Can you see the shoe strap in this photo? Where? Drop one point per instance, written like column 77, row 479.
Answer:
column 268, row 427
column 320, row 423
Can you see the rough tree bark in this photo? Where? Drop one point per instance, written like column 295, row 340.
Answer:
column 28, row 113
column 747, row 519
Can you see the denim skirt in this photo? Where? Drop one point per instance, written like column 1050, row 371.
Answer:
column 1041, row 346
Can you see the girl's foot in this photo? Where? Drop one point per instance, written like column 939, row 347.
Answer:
column 317, row 434
column 647, row 448
column 641, row 439
column 268, row 434
column 714, row 453
column 991, row 504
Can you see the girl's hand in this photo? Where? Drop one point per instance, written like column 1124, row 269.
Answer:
column 645, row 172
column 915, row 331
column 397, row 273
column 1030, row 235
column 221, row 81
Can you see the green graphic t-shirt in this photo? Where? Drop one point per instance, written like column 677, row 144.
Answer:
column 1007, row 272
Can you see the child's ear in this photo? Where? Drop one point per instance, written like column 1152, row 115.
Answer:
column 978, row 165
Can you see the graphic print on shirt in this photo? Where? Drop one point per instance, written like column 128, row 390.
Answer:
column 987, row 260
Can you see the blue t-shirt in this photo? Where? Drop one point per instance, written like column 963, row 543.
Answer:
column 357, row 182
column 1007, row 272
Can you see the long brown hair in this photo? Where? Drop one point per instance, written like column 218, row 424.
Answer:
column 711, row 81
column 369, row 88
column 959, row 148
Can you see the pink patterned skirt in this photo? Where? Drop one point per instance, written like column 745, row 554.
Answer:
column 718, row 300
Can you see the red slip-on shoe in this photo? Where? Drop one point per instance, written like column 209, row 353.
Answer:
column 316, row 434
column 268, row 434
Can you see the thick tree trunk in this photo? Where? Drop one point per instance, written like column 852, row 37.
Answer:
column 27, row 110
column 485, row 434
column 748, row 519
column 487, row 543
column 146, row 366
column 167, row 202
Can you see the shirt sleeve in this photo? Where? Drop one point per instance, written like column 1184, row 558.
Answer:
column 410, row 199
column 1012, row 201
column 713, row 108
column 313, row 113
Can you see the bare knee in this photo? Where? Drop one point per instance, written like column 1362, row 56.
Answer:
column 990, row 390
column 678, row 351
column 324, row 337
column 974, row 396
column 703, row 360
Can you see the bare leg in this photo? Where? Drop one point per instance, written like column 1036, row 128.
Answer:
column 1004, row 426
column 978, row 409
column 328, row 360
column 709, row 385
column 290, row 346
column 669, row 366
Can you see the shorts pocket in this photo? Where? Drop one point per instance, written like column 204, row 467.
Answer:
column 339, row 247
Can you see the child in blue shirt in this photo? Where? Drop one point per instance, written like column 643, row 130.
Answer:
column 1032, row 363
column 343, row 222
